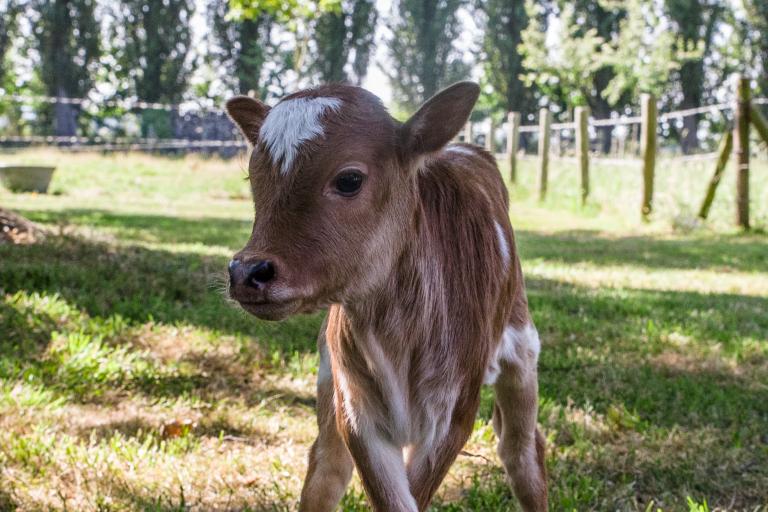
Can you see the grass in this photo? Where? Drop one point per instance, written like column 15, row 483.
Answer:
column 114, row 333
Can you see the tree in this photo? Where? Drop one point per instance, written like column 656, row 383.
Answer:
column 643, row 56
column 422, row 50
column 343, row 38
column 326, row 40
column 694, row 23
column 240, row 48
column 755, row 30
column 66, row 37
column 505, row 22
column 152, row 47
column 604, row 17
column 563, row 71
column 152, row 50
column 9, row 11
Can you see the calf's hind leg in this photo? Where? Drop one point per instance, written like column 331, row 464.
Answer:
column 521, row 445
column 330, row 463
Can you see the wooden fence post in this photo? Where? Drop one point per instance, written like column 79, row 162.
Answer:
column 468, row 133
column 722, row 159
column 489, row 138
column 741, row 151
column 581, row 118
column 545, row 119
column 648, row 150
column 513, row 137
column 759, row 122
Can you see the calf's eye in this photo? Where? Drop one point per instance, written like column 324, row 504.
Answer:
column 348, row 182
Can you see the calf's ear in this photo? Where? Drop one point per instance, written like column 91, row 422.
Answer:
column 439, row 119
column 248, row 114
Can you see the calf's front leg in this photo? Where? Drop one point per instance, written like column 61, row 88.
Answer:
column 380, row 465
column 330, row 464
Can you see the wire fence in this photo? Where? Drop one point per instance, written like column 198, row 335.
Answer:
column 97, row 124
column 694, row 135
column 93, row 124
column 689, row 134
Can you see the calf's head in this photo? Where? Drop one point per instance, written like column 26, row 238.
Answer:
column 334, row 184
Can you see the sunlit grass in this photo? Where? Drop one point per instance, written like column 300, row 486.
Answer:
column 653, row 371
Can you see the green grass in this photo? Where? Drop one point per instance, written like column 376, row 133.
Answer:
column 653, row 370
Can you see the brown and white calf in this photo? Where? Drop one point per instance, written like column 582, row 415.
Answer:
column 406, row 239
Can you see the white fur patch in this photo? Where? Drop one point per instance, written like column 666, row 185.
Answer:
column 519, row 347
column 324, row 366
column 503, row 244
column 461, row 150
column 290, row 123
column 346, row 401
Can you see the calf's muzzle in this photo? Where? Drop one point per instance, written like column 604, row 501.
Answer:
column 254, row 274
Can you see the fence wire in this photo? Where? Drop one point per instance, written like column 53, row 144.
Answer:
column 95, row 124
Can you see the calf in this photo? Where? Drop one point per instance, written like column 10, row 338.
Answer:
column 406, row 240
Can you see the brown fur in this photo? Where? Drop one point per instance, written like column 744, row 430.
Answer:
column 419, row 295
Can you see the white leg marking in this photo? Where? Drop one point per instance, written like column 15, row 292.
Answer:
column 519, row 347
column 291, row 123
column 503, row 244
column 389, row 461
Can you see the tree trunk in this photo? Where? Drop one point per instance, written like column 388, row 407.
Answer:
column 65, row 117
column 689, row 140
column 606, row 139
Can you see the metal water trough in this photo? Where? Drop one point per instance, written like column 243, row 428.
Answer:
column 26, row 178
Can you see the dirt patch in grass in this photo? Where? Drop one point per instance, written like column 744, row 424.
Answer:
column 15, row 229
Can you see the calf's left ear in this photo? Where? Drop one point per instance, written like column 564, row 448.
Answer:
column 248, row 114
column 439, row 119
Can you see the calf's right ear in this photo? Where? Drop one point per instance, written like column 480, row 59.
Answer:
column 248, row 114
column 440, row 118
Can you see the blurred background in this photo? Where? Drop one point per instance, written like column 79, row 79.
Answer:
column 129, row 70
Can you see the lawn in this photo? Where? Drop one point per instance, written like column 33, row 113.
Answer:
column 129, row 382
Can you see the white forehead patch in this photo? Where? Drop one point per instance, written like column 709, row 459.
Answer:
column 291, row 123
column 462, row 150
column 503, row 244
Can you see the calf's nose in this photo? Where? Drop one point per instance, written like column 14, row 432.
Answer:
column 260, row 272
column 254, row 274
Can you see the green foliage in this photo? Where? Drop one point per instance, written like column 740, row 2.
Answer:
column 9, row 12
column 752, row 42
column 565, row 70
column 422, row 50
column 241, row 47
column 67, row 37
column 341, row 33
column 286, row 11
column 643, row 57
column 151, row 44
column 503, row 63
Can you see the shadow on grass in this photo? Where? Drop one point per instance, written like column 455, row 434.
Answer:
column 143, row 285
column 226, row 232
column 715, row 252
column 602, row 348
column 598, row 344
column 7, row 503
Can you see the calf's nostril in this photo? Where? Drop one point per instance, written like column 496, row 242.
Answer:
column 232, row 267
column 261, row 272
